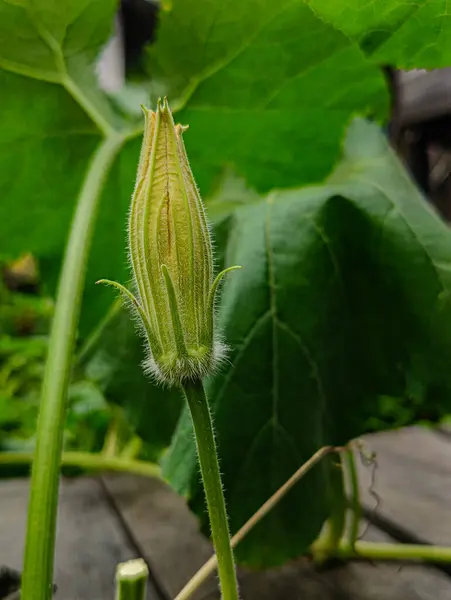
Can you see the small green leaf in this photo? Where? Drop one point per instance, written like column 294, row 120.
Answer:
column 131, row 299
column 214, row 289
column 174, row 313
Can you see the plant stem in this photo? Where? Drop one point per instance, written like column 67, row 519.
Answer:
column 330, row 536
column 42, row 510
column 389, row 551
column 338, row 501
column 264, row 509
column 90, row 344
column 208, row 459
column 131, row 580
column 89, row 461
column 132, row 448
column 356, row 509
column 110, row 443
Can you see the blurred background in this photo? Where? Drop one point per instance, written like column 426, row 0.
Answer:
column 321, row 143
column 418, row 127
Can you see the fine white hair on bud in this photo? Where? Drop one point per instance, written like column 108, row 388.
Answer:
column 171, row 257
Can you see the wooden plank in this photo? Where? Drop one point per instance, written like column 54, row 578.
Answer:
column 164, row 527
column 389, row 581
column 90, row 541
column 169, row 536
column 413, row 481
column 424, row 95
column 351, row 581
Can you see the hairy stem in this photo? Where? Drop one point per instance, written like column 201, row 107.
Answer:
column 208, row 459
column 89, row 461
column 42, row 510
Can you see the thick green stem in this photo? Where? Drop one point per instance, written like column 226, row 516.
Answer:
column 90, row 462
column 356, row 509
column 131, row 580
column 398, row 552
column 330, row 536
column 42, row 511
column 208, row 459
column 337, row 519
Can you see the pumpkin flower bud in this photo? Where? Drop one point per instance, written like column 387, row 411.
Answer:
column 171, row 257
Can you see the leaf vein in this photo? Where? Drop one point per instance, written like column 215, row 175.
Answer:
column 398, row 209
column 222, row 64
column 273, row 310
column 308, row 355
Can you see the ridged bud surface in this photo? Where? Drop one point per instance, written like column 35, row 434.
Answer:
column 171, row 257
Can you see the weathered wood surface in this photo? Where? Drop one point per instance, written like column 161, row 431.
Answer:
column 164, row 528
column 413, row 481
column 424, row 95
column 169, row 537
column 89, row 541
column 412, row 478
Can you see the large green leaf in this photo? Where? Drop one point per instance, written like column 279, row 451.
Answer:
column 415, row 34
column 344, row 296
column 38, row 36
column 265, row 86
column 52, row 117
column 259, row 89
column 44, row 150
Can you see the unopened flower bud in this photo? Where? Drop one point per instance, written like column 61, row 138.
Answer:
column 171, row 257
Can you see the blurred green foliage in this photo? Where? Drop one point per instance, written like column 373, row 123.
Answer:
column 340, row 321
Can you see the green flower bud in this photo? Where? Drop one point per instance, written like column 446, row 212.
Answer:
column 171, row 257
